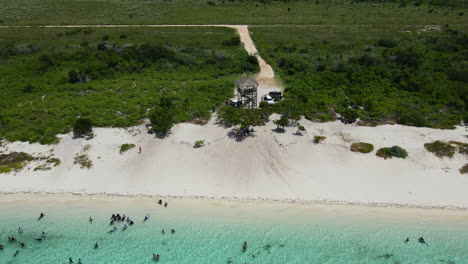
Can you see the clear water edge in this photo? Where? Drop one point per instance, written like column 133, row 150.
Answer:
column 212, row 231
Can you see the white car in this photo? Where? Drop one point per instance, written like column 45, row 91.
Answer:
column 267, row 98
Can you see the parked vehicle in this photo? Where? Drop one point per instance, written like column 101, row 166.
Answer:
column 234, row 103
column 275, row 95
column 267, row 98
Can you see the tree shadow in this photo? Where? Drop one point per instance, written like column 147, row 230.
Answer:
column 279, row 130
column 240, row 134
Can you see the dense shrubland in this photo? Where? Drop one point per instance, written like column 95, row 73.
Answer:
column 396, row 74
column 251, row 12
column 98, row 76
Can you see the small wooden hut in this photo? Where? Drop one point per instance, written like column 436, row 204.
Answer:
column 247, row 92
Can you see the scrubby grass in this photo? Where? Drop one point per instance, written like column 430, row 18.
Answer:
column 14, row 161
column 34, row 12
column 461, row 147
column 440, row 149
column 362, row 147
column 394, row 151
column 83, row 160
column 318, row 139
column 50, row 77
column 446, row 149
column 410, row 75
column 464, row 169
column 125, row 147
column 199, row 143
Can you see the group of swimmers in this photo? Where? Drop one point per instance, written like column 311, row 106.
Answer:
column 12, row 239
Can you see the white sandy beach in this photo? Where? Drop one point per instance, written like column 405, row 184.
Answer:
column 269, row 165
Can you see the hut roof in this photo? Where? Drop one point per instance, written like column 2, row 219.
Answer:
column 246, row 82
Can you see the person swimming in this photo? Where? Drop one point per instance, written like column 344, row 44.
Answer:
column 79, row 261
column 20, row 230
column 16, row 253
column 113, row 230
column 96, row 245
column 173, row 231
column 41, row 216
column 1, row 247
column 162, row 231
column 38, row 239
column 229, row 260
column 156, row 257
column 407, row 240
column 70, row 260
column 22, row 244
column 125, row 227
column 422, row 241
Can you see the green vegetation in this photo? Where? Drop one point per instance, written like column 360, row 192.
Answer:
column 199, row 143
column 125, row 147
column 440, row 149
column 83, row 127
column 14, row 161
column 320, row 12
column 245, row 118
column 462, row 147
column 52, row 79
column 281, row 123
column 411, row 75
column 318, row 139
column 394, row 151
column 464, row 169
column 300, row 129
column 362, row 147
column 83, row 160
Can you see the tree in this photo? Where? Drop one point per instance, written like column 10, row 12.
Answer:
column 83, row 126
column 162, row 117
column 281, row 123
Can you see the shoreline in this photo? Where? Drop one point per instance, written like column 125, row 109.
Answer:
column 311, row 203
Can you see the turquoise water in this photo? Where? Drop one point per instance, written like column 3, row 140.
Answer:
column 210, row 232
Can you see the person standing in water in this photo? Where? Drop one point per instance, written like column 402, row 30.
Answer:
column 90, row 220
column 20, row 230
column 139, row 149
column 41, row 216
column 70, row 260
column 16, row 253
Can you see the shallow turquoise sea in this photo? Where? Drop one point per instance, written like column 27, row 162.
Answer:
column 209, row 231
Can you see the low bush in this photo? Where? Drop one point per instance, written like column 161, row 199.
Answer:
column 125, row 147
column 14, row 161
column 464, row 169
column 462, row 147
column 362, row 147
column 83, row 160
column 199, row 143
column 318, row 139
column 394, row 151
column 235, row 41
column 440, row 149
